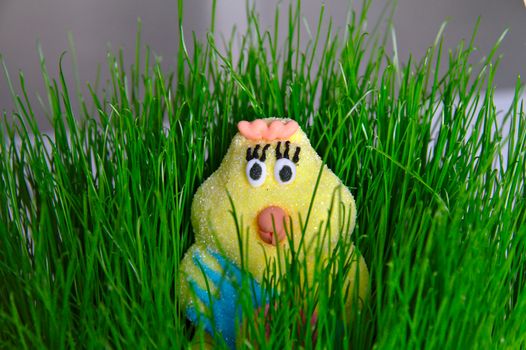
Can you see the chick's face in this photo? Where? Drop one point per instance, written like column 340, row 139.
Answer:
column 271, row 183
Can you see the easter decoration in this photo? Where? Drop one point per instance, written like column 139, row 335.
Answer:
column 269, row 173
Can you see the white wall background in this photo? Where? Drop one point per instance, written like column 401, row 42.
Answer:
column 96, row 23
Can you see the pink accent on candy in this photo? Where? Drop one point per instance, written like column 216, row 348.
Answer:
column 271, row 218
column 266, row 130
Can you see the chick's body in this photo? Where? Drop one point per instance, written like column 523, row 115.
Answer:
column 272, row 182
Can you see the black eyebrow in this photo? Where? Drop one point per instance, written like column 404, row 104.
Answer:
column 254, row 155
column 264, row 153
column 296, row 156
column 285, row 154
column 278, row 152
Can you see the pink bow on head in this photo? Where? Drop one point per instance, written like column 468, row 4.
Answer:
column 261, row 129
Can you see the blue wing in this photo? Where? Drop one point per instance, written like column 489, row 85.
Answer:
column 224, row 305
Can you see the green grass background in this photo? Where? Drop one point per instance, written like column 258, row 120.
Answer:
column 94, row 219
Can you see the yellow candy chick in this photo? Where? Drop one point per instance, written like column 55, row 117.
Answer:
column 270, row 172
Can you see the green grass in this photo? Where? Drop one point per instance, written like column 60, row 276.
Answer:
column 106, row 199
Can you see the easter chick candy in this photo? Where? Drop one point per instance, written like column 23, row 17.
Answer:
column 269, row 176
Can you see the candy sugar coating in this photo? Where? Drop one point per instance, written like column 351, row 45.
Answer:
column 269, row 172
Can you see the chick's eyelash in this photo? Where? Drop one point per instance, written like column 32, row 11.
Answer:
column 279, row 155
column 254, row 155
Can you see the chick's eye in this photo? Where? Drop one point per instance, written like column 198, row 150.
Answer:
column 284, row 171
column 256, row 172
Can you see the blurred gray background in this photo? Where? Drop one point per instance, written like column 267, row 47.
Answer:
column 97, row 24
